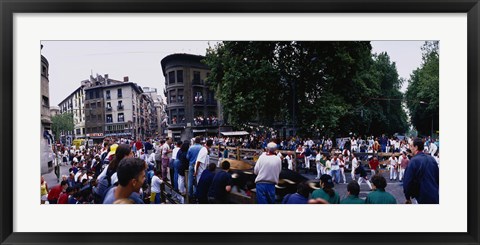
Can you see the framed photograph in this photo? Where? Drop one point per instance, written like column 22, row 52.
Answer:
column 30, row 26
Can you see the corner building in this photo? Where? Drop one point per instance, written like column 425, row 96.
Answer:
column 191, row 106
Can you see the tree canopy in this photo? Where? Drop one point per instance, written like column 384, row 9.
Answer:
column 62, row 123
column 422, row 94
column 323, row 87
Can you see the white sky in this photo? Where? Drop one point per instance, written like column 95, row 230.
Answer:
column 73, row 61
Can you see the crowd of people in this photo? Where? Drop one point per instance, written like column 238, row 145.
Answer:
column 134, row 171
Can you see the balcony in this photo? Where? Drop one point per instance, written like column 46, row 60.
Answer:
column 108, row 97
column 198, row 82
column 109, row 108
column 120, row 107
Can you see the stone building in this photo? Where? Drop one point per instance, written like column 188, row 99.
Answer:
column 191, row 107
column 46, row 138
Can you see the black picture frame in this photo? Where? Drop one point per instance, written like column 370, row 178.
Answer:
column 10, row 7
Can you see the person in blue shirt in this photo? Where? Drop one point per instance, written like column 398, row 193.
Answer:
column 421, row 180
column 300, row 197
column 192, row 155
column 221, row 185
column 131, row 176
column 204, row 183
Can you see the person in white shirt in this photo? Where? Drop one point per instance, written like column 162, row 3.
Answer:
column 354, row 144
column 289, row 158
column 151, row 159
column 354, row 165
column 393, row 167
column 397, row 145
column 156, row 188
column 320, row 169
column 203, row 159
column 267, row 169
column 433, row 148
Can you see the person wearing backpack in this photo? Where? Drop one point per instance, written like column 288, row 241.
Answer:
column 108, row 177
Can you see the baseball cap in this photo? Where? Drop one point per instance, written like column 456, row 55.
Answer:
column 113, row 149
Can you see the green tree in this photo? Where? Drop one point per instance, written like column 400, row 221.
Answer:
column 62, row 123
column 315, row 86
column 422, row 94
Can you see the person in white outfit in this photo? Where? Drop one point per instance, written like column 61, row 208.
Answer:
column 393, row 167
column 318, row 158
column 289, row 159
column 354, row 165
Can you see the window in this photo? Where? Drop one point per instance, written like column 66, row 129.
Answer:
column 87, row 118
column 180, row 76
column 97, row 94
column 87, row 105
column 99, row 104
column 181, row 115
column 180, row 96
column 173, row 97
column 45, row 101
column 109, row 106
column 44, row 70
column 196, row 77
column 173, row 116
column 198, row 97
column 83, row 130
column 93, row 105
column 171, row 77
column 109, row 118
column 77, row 131
column 108, row 94
column 120, row 117
column 119, row 93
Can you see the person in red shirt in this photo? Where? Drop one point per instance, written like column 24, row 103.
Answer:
column 139, row 144
column 373, row 164
column 63, row 198
column 55, row 192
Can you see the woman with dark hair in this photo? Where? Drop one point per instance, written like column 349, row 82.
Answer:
column 109, row 175
column 326, row 192
column 181, row 165
column 379, row 195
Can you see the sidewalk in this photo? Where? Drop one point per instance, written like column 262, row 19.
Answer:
column 51, row 178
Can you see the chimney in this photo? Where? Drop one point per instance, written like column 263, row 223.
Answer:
column 106, row 76
column 125, row 79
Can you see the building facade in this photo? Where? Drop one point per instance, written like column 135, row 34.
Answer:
column 191, row 107
column 74, row 104
column 46, row 138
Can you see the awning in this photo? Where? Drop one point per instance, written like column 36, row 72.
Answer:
column 199, row 130
column 235, row 133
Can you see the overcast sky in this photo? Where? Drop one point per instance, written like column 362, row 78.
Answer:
column 73, row 61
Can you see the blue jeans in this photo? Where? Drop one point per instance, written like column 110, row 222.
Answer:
column 265, row 193
column 176, row 165
column 190, row 180
column 336, row 175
